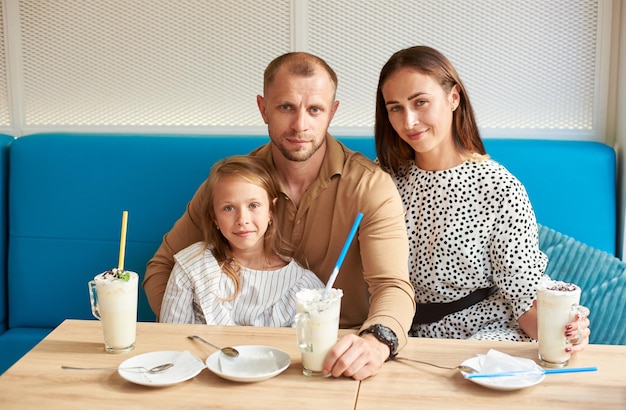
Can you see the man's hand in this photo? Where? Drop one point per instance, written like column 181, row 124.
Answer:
column 355, row 356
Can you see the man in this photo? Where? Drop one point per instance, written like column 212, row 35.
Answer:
column 323, row 187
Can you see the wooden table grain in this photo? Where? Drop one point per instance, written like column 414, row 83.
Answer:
column 37, row 381
column 402, row 384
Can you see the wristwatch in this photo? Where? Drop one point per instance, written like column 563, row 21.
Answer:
column 384, row 335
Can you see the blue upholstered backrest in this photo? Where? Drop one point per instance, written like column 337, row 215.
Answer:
column 67, row 194
column 5, row 142
column 66, row 200
column 571, row 185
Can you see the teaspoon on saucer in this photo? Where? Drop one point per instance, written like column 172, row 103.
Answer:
column 153, row 370
column 228, row 351
column 463, row 368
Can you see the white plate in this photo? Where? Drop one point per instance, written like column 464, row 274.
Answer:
column 504, row 383
column 254, row 363
column 186, row 366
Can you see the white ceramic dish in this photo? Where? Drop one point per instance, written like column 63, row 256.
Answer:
column 186, row 366
column 504, row 383
column 254, row 364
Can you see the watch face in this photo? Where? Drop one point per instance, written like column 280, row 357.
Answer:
column 385, row 335
column 385, row 332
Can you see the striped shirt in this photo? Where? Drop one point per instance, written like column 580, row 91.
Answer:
column 197, row 286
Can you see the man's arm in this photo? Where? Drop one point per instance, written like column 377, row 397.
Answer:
column 384, row 251
column 185, row 232
column 385, row 254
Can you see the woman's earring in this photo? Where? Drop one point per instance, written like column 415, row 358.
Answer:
column 270, row 223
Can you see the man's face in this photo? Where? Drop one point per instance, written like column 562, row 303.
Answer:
column 298, row 111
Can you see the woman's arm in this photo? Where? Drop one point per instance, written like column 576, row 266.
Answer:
column 528, row 321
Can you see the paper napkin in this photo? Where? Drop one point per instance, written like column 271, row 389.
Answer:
column 249, row 364
column 495, row 361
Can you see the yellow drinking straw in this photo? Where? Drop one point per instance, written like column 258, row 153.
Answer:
column 120, row 264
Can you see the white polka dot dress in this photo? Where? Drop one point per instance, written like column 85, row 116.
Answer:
column 471, row 227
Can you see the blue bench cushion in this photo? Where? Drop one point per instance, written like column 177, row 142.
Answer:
column 14, row 343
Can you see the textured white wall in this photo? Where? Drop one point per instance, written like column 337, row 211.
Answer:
column 533, row 68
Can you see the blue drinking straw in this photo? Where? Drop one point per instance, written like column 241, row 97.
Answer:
column 342, row 255
column 538, row 371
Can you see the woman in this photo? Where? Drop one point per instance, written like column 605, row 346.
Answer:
column 475, row 259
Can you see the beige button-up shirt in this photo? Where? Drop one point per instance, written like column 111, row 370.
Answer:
column 374, row 275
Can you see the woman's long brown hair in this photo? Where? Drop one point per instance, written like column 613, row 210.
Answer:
column 391, row 150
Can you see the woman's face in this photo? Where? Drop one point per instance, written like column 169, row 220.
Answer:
column 421, row 112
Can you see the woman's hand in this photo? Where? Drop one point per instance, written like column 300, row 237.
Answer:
column 578, row 331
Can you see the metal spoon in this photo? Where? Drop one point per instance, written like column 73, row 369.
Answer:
column 156, row 369
column 228, row 351
column 463, row 368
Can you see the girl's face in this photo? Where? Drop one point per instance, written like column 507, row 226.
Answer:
column 421, row 112
column 242, row 214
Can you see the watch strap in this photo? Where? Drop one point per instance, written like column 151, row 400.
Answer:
column 384, row 335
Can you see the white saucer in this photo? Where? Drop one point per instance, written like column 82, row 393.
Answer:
column 186, row 366
column 504, row 383
column 254, row 363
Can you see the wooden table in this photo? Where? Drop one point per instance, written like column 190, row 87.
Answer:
column 402, row 384
column 37, row 381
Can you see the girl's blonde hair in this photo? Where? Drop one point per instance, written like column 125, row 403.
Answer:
column 253, row 170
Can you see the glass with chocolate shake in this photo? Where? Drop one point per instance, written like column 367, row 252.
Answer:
column 557, row 305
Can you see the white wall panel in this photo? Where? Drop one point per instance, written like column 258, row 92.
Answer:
column 528, row 64
column 147, row 62
column 533, row 67
column 621, row 127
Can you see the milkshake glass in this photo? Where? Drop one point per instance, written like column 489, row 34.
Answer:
column 114, row 303
column 317, row 326
column 557, row 305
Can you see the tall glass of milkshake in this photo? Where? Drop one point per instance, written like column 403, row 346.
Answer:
column 557, row 305
column 113, row 296
column 317, row 326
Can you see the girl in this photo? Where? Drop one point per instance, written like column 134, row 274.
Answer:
column 237, row 276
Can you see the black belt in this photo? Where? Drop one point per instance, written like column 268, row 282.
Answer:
column 434, row 312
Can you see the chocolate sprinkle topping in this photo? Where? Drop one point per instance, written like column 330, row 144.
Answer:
column 563, row 287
